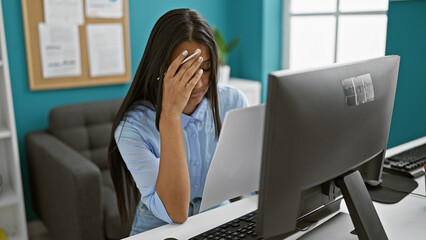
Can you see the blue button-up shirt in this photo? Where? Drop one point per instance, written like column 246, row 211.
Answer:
column 138, row 141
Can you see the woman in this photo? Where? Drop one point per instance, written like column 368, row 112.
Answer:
column 165, row 133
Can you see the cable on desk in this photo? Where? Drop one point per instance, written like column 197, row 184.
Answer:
column 416, row 194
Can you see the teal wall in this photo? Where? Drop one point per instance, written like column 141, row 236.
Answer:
column 407, row 37
column 271, row 40
column 32, row 108
column 258, row 24
column 246, row 23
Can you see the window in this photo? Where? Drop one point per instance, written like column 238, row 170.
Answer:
column 321, row 32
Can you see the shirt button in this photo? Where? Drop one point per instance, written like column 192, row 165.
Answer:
column 197, row 163
column 196, row 185
column 193, row 135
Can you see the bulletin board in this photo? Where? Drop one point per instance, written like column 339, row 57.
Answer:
column 32, row 13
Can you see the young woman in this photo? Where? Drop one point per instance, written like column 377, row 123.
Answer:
column 165, row 133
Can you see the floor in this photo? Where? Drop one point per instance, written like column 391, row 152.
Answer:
column 37, row 231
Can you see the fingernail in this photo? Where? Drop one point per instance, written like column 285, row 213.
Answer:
column 197, row 51
column 200, row 59
column 184, row 53
column 200, row 71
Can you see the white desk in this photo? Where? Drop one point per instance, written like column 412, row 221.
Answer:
column 403, row 220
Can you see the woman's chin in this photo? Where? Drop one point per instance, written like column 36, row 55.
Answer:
column 194, row 101
column 192, row 104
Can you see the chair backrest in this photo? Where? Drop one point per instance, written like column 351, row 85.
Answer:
column 86, row 127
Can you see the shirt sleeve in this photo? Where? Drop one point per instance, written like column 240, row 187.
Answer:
column 142, row 164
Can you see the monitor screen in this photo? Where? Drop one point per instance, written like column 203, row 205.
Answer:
column 321, row 126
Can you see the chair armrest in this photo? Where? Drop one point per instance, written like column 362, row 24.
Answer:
column 66, row 188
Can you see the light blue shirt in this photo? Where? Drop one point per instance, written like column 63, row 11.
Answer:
column 138, row 141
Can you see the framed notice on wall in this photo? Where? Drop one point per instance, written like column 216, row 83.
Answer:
column 63, row 52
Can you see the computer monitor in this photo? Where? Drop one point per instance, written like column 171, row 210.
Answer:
column 325, row 128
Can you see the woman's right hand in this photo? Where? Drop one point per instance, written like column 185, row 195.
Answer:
column 178, row 83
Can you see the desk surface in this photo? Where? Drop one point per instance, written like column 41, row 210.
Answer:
column 404, row 219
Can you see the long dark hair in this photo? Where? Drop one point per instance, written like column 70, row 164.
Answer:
column 173, row 28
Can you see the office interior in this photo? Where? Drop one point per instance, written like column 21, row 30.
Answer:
column 259, row 26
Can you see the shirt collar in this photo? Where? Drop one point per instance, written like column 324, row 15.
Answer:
column 198, row 114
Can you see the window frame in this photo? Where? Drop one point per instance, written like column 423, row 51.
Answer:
column 285, row 54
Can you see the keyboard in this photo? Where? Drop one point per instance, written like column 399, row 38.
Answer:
column 409, row 163
column 240, row 228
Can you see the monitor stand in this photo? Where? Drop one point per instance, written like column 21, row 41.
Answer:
column 363, row 214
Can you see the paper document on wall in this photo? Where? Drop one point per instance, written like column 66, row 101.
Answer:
column 63, row 11
column 106, row 49
column 60, row 50
column 104, row 8
column 235, row 168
